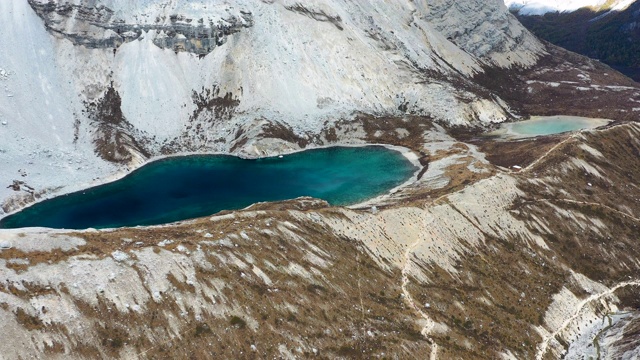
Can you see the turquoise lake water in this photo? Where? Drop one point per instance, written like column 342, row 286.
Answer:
column 192, row 186
column 549, row 125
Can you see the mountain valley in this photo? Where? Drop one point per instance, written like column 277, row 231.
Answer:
column 496, row 249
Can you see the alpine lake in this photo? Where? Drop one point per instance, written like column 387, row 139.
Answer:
column 187, row 187
column 546, row 125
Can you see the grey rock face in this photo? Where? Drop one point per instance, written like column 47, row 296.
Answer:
column 98, row 27
column 477, row 34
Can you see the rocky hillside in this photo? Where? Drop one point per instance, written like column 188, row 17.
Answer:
column 609, row 32
column 470, row 261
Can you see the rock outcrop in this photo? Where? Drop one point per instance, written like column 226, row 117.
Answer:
column 97, row 27
column 488, row 31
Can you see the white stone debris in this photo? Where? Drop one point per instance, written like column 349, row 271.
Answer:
column 165, row 242
column 120, row 256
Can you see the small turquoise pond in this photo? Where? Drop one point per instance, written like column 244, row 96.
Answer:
column 192, row 186
column 547, row 125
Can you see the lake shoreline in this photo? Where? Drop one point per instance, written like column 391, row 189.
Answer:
column 406, row 153
column 509, row 131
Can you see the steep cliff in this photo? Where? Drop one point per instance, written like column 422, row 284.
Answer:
column 98, row 27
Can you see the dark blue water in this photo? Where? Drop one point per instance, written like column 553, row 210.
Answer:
column 192, row 186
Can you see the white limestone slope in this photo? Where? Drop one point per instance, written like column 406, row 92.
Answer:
column 38, row 108
column 287, row 67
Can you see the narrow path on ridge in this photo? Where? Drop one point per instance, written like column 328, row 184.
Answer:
column 544, row 345
column 426, row 330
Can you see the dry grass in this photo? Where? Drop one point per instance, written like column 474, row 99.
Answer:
column 562, row 67
column 519, row 152
column 324, row 318
column 500, row 293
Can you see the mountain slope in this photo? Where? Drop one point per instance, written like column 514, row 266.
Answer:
column 513, row 265
column 609, row 33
